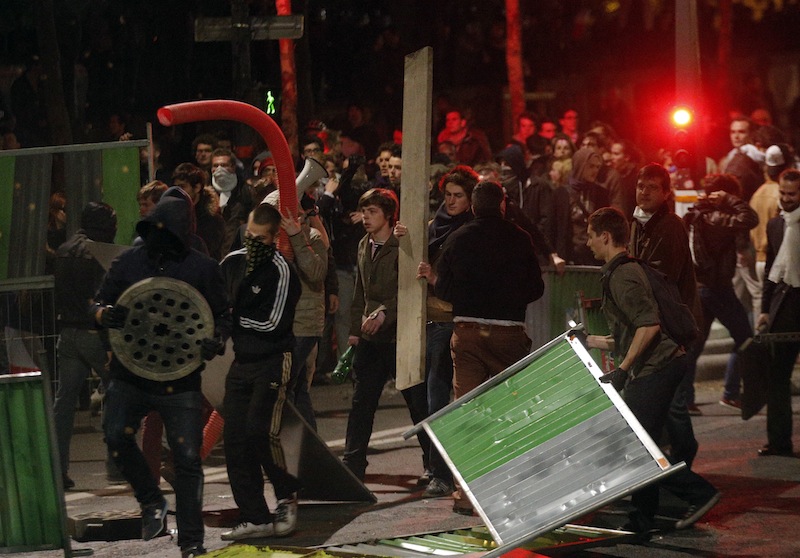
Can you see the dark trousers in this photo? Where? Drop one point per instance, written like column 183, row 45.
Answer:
column 439, row 367
column 373, row 365
column 779, row 395
column 649, row 398
column 79, row 352
column 125, row 407
column 720, row 303
column 254, row 398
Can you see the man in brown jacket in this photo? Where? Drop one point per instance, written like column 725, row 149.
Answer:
column 373, row 327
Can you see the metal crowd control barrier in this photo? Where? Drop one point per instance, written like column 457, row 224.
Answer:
column 32, row 512
column 106, row 172
column 543, row 443
column 550, row 315
column 28, row 327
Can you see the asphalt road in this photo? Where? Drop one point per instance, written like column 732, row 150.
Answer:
column 758, row 515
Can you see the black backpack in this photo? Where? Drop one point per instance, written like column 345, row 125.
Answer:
column 677, row 320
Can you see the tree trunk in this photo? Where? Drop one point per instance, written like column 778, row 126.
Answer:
column 52, row 87
column 289, row 79
column 516, row 80
column 724, row 53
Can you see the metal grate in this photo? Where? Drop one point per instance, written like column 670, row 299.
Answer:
column 28, row 333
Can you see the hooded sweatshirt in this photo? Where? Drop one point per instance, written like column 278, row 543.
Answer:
column 166, row 232
column 584, row 198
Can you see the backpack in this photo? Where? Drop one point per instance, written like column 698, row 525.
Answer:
column 677, row 320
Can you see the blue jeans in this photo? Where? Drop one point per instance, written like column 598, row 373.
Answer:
column 79, row 352
column 298, row 382
column 182, row 413
column 720, row 303
column 439, row 366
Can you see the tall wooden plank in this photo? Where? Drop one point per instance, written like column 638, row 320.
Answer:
column 417, row 101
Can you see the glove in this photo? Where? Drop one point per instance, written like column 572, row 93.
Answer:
column 616, row 378
column 211, row 347
column 580, row 335
column 113, row 317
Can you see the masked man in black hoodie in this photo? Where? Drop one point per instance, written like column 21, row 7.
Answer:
column 165, row 253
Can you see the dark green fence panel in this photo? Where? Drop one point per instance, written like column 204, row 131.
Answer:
column 32, row 515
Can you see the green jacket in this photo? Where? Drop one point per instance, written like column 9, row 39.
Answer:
column 376, row 287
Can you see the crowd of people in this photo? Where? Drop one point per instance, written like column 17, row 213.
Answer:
column 553, row 196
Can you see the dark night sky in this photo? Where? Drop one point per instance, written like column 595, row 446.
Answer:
column 141, row 55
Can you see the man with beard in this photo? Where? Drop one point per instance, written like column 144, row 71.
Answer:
column 780, row 311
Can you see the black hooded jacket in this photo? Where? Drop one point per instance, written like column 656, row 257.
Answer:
column 166, row 253
column 77, row 276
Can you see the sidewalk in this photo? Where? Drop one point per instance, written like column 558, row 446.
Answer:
column 757, row 516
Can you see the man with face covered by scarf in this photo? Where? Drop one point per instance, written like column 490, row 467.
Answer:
column 264, row 290
column 235, row 196
column 165, row 252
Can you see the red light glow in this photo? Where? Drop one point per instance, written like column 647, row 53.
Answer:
column 681, row 117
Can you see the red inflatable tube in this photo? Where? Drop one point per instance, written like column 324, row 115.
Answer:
column 219, row 109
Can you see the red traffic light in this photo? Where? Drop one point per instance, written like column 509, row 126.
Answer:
column 682, row 117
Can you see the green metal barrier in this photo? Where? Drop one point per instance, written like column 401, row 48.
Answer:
column 543, row 443
column 32, row 514
column 564, row 289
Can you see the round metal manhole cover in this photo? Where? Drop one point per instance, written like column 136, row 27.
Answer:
column 163, row 333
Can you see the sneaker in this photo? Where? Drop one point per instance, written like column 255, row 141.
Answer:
column 694, row 410
column 154, row 520
column 425, row 479
column 768, row 450
column 67, row 482
column 247, row 530
column 193, row 551
column 96, row 402
column 732, row 403
column 696, row 511
column 285, row 520
column 438, row 488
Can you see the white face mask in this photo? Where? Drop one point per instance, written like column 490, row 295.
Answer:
column 223, row 180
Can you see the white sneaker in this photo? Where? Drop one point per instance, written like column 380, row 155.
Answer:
column 285, row 519
column 246, row 530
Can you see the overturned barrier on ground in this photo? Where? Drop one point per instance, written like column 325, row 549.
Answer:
column 544, row 443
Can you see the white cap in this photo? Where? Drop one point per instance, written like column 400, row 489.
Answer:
column 774, row 156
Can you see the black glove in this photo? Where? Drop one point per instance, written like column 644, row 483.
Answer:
column 580, row 335
column 616, row 378
column 113, row 317
column 211, row 347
